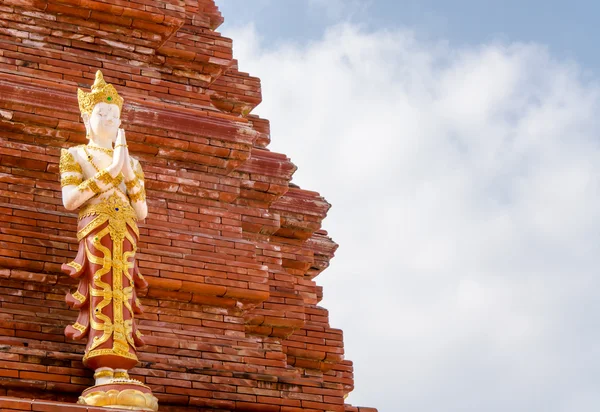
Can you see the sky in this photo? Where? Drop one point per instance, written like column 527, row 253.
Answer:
column 458, row 143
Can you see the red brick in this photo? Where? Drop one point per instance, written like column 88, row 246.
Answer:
column 18, row 404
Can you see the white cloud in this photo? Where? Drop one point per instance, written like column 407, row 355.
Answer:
column 464, row 184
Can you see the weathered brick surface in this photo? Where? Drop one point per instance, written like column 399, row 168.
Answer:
column 230, row 248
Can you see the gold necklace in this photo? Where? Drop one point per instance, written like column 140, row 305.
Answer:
column 90, row 158
column 101, row 149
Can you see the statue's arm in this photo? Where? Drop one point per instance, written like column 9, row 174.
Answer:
column 71, row 180
column 136, row 190
column 75, row 190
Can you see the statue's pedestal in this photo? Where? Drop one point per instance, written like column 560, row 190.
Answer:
column 127, row 394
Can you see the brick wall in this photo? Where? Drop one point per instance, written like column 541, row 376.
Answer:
column 230, row 248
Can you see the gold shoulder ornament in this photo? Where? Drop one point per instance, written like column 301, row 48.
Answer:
column 68, row 163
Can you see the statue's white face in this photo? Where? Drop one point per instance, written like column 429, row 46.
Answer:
column 104, row 122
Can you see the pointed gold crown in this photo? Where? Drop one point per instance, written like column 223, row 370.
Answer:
column 101, row 92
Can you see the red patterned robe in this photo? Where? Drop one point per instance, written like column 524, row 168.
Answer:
column 108, row 277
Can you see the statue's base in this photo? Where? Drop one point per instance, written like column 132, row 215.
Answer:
column 127, row 394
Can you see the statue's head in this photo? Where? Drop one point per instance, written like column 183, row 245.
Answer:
column 101, row 109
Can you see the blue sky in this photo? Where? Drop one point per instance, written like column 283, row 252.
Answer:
column 458, row 144
column 566, row 27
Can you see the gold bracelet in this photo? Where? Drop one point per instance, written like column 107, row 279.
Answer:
column 106, row 178
column 89, row 184
column 132, row 184
column 70, row 180
column 138, row 196
column 121, row 145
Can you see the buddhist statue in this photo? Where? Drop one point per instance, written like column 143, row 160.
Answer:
column 106, row 185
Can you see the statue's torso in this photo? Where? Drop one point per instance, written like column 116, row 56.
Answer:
column 101, row 161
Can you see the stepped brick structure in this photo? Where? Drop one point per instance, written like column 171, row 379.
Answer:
column 230, row 248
